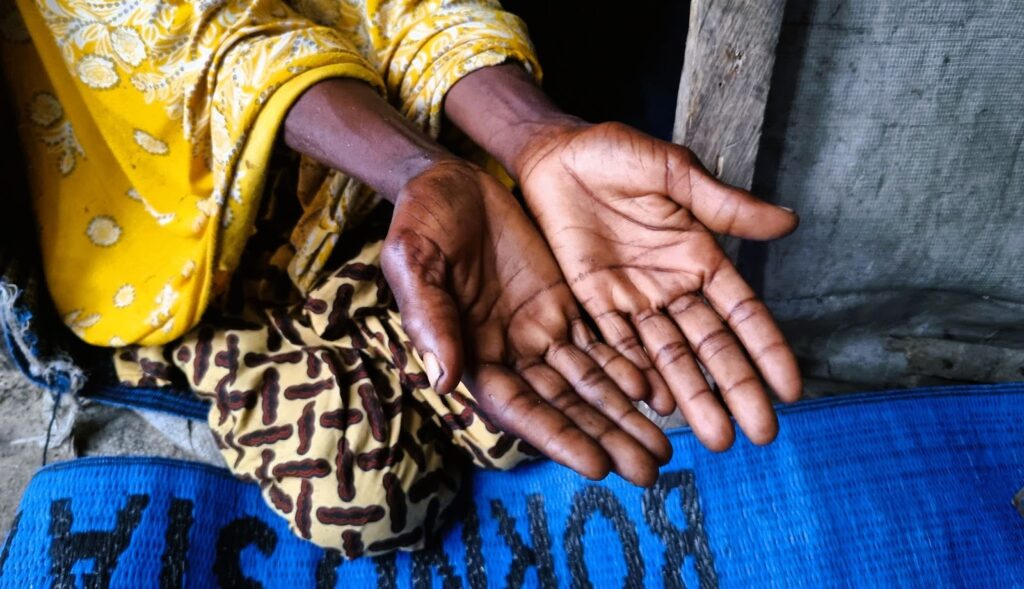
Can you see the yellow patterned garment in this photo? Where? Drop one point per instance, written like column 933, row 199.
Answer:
column 148, row 125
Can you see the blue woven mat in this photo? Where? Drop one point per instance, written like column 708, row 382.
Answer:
column 896, row 489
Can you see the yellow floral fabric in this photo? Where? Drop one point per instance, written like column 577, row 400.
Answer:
column 148, row 125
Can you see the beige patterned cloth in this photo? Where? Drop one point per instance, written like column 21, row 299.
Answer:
column 325, row 404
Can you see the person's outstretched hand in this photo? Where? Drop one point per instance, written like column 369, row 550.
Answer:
column 628, row 218
column 482, row 298
column 479, row 292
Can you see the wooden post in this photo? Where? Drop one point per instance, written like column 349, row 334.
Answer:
column 727, row 71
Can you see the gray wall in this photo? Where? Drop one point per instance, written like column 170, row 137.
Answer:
column 895, row 128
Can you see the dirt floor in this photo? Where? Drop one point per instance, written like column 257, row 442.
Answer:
column 78, row 430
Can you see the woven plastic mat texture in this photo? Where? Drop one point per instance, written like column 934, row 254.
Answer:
column 911, row 489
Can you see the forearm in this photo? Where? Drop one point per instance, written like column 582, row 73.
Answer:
column 346, row 125
column 503, row 110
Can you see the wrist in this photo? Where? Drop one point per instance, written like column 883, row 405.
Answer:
column 405, row 171
column 538, row 139
column 344, row 124
column 448, row 177
column 527, row 140
column 503, row 110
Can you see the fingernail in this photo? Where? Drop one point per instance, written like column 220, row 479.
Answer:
column 581, row 335
column 786, row 209
column 432, row 367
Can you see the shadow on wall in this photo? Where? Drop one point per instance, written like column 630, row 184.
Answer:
column 789, row 55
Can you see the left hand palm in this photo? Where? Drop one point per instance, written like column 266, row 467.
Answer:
column 627, row 217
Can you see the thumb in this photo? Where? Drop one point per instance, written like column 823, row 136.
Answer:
column 417, row 275
column 722, row 208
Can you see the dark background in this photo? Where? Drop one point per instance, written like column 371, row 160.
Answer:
column 610, row 61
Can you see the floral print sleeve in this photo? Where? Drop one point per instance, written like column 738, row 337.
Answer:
column 149, row 124
column 423, row 47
